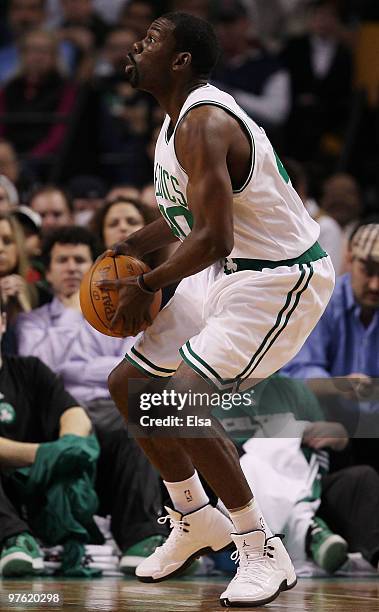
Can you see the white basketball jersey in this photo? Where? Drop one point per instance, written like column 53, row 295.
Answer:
column 270, row 220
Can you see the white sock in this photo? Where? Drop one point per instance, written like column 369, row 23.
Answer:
column 187, row 495
column 250, row 518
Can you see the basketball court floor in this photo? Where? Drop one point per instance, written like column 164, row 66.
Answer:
column 187, row 595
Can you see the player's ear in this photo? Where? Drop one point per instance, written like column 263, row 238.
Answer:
column 182, row 60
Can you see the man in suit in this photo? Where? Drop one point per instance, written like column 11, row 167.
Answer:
column 320, row 67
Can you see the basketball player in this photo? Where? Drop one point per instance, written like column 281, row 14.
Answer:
column 255, row 284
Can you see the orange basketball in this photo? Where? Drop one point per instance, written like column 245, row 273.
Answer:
column 99, row 305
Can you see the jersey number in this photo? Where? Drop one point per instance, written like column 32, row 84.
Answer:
column 179, row 218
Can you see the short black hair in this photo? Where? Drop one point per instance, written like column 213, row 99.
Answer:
column 196, row 36
column 69, row 234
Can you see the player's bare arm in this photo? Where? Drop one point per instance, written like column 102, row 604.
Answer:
column 202, row 145
column 150, row 238
column 203, row 142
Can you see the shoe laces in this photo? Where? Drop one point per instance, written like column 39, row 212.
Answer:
column 251, row 562
column 179, row 530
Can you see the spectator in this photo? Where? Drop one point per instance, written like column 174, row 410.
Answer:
column 11, row 167
column 8, row 195
column 23, row 16
column 272, row 20
column 111, row 61
column 331, row 235
column 53, row 205
column 342, row 199
column 137, row 15
column 38, row 88
column 254, row 77
column 345, row 343
column 199, row 8
column 284, row 441
column 30, row 222
column 36, row 411
column 56, row 331
column 79, row 18
column 107, row 9
column 117, row 219
column 122, row 191
column 83, row 31
column 16, row 294
column 58, row 334
column 87, row 193
column 125, row 115
column 320, row 67
column 55, row 209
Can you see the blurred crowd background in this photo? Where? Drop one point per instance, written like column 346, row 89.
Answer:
column 305, row 71
column 76, row 176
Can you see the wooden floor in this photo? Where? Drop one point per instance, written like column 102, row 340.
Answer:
column 187, row 595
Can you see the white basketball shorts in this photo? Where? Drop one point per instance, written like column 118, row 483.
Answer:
column 233, row 328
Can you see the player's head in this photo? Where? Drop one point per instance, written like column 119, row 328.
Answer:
column 364, row 260
column 177, row 48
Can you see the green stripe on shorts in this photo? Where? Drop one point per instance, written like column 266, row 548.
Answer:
column 150, row 364
column 268, row 338
column 195, row 367
column 141, row 368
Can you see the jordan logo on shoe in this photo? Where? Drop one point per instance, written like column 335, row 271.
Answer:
column 244, row 544
column 188, row 495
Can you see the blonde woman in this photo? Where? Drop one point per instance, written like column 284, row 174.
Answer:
column 17, row 295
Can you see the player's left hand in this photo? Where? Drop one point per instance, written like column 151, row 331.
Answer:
column 133, row 304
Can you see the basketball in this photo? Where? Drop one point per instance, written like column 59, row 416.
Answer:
column 98, row 305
